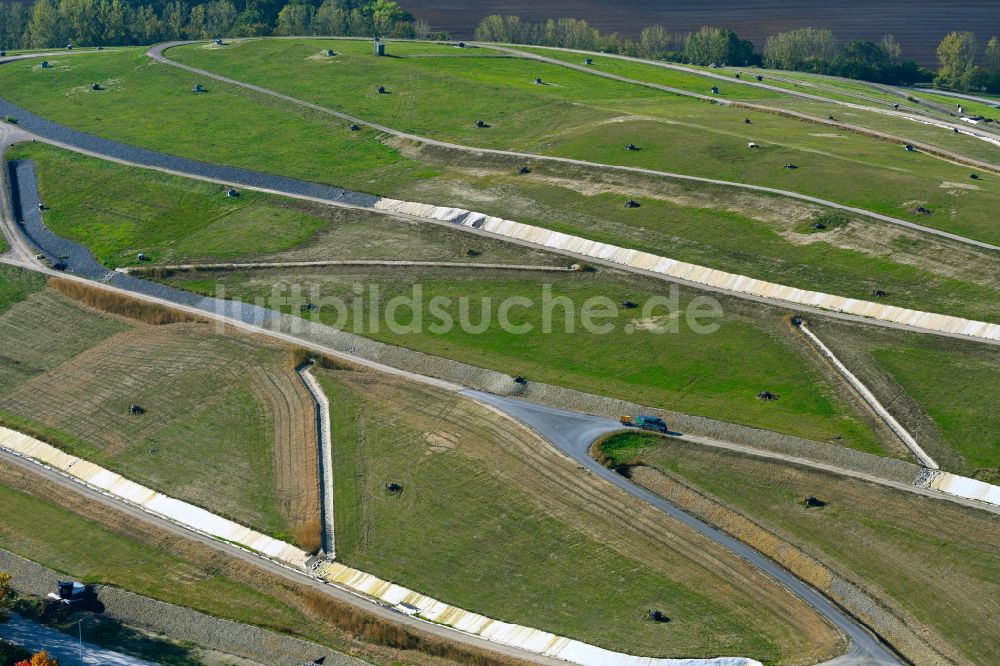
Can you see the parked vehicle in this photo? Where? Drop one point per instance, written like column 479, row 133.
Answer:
column 653, row 423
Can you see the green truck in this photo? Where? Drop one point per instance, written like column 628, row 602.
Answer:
column 653, row 423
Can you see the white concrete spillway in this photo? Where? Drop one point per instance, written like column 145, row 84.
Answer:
column 961, row 486
column 681, row 270
column 427, row 608
column 190, row 516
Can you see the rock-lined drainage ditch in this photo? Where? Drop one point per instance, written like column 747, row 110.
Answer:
column 869, row 398
column 325, row 457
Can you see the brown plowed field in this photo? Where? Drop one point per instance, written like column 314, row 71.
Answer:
column 296, row 465
column 227, row 424
column 918, row 24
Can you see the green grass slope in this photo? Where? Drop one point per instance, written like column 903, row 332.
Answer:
column 932, row 559
column 118, row 211
column 69, row 375
column 717, row 374
column 473, row 527
column 569, row 116
column 151, row 105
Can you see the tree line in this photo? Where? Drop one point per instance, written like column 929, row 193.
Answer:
column 806, row 49
column 55, row 23
column 962, row 67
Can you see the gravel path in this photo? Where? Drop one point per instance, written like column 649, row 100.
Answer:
column 346, row 262
column 156, row 52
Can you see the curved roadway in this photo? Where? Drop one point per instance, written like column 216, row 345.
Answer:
column 156, row 53
column 573, row 434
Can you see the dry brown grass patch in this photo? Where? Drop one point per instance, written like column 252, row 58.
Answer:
column 114, row 302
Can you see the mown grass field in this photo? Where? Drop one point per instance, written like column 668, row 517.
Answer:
column 118, row 211
column 832, row 88
column 768, row 238
column 93, row 551
column 151, row 105
column 16, row 285
column 490, row 519
column 210, row 433
column 716, row 375
column 943, row 391
column 930, row 559
column 570, row 117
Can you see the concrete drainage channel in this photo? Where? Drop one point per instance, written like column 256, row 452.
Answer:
column 80, row 261
column 931, row 477
column 873, row 402
column 359, row 582
column 325, row 456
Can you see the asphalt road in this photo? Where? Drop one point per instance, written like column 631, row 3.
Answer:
column 573, row 433
column 65, row 648
column 156, row 52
